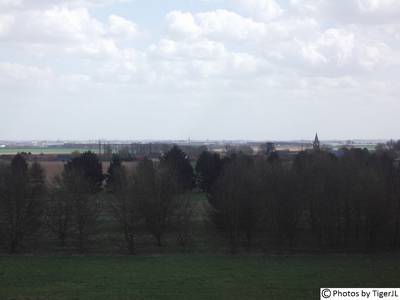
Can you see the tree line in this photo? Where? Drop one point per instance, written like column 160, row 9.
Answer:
column 314, row 202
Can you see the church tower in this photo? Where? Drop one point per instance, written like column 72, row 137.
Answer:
column 316, row 143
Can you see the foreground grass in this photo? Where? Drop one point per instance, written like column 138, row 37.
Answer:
column 190, row 277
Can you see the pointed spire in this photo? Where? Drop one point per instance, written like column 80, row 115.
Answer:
column 316, row 143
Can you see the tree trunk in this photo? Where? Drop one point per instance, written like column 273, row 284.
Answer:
column 81, row 242
column 62, row 237
column 13, row 246
column 159, row 243
column 130, row 239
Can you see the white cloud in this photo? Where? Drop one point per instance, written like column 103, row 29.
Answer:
column 378, row 6
column 122, row 27
column 333, row 46
column 376, row 54
column 201, row 58
column 41, row 4
column 97, row 49
column 10, row 3
column 54, row 25
column 223, row 24
column 201, row 49
column 305, row 6
column 351, row 11
column 24, row 73
column 64, row 23
column 182, row 24
column 6, row 22
column 262, row 9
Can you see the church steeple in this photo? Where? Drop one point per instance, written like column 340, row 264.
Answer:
column 316, row 143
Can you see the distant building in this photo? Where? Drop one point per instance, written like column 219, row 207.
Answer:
column 316, row 143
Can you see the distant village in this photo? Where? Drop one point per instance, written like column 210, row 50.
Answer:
column 137, row 150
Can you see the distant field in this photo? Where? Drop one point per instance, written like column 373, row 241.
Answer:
column 54, row 168
column 44, row 150
column 189, row 277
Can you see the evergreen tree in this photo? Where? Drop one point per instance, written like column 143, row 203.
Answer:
column 208, row 168
column 176, row 161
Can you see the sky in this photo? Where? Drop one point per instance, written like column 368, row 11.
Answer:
column 199, row 69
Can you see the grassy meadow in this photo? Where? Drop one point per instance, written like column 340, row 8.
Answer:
column 190, row 276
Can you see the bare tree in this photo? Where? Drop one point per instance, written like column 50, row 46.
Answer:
column 83, row 179
column 157, row 190
column 235, row 201
column 124, row 204
column 58, row 214
column 21, row 197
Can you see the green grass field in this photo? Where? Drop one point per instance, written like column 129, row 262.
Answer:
column 190, row 277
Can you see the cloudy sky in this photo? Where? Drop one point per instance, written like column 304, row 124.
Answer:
column 205, row 69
